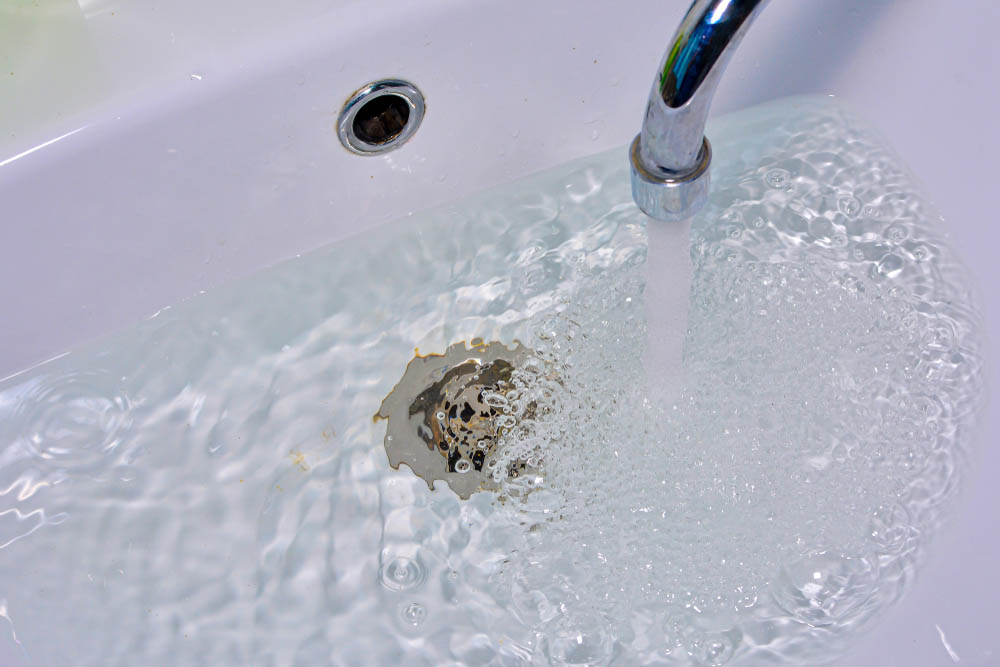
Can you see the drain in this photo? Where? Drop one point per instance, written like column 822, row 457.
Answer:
column 380, row 117
column 440, row 423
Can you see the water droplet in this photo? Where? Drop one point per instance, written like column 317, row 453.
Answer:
column 402, row 574
column 463, row 466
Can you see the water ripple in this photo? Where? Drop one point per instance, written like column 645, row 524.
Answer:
column 73, row 421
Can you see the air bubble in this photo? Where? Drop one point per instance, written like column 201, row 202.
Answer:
column 463, row 465
column 777, row 178
column 713, row 650
column 849, row 206
column 809, row 335
column 896, row 233
column 579, row 640
column 413, row 614
column 495, row 400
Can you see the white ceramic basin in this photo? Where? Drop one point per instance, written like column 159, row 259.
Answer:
column 149, row 151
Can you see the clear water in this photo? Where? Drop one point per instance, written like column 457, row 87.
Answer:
column 210, row 488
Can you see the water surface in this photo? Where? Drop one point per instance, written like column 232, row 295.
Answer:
column 209, row 487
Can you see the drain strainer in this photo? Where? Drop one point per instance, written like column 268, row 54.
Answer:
column 441, row 425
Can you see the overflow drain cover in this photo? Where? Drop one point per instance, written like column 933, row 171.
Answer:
column 380, row 116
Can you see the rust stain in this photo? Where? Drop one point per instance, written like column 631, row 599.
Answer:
column 298, row 459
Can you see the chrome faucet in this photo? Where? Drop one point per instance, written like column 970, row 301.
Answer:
column 670, row 157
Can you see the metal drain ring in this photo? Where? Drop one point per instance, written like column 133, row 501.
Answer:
column 439, row 424
column 361, row 102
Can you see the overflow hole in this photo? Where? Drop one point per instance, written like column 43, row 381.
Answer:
column 381, row 119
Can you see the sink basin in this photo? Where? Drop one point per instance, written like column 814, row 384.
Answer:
column 217, row 155
column 223, row 453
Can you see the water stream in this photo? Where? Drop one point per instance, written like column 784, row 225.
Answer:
column 667, row 297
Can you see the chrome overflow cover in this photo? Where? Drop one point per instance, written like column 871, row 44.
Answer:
column 380, row 117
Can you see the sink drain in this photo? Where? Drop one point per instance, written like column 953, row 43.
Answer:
column 441, row 421
column 380, row 117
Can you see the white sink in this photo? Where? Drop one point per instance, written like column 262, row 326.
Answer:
column 162, row 150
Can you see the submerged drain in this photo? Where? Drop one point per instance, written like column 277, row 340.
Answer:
column 441, row 421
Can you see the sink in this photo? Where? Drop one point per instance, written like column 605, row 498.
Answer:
column 194, row 170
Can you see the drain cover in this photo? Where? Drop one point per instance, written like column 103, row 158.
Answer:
column 440, row 423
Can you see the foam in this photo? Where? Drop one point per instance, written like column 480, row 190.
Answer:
column 825, row 378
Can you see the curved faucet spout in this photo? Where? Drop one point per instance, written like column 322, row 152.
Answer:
column 670, row 157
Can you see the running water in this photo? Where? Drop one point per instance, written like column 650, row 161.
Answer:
column 668, row 290
column 209, row 487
